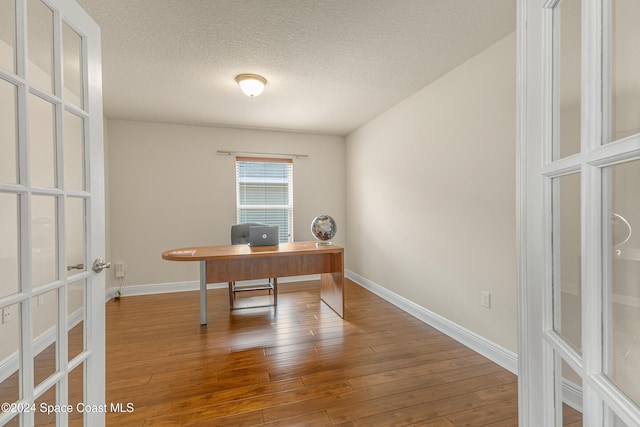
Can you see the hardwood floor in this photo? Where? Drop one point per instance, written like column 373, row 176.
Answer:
column 299, row 364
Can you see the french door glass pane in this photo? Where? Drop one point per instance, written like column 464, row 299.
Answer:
column 75, row 235
column 72, row 65
column 569, row 391
column 8, row 132
column 567, row 141
column 625, row 68
column 75, row 317
column 10, row 355
column 40, row 42
column 48, row 398
column 76, row 395
column 567, row 292
column 7, row 36
column 14, row 422
column 45, row 334
column 73, row 152
column 42, row 142
column 43, row 240
column 9, row 245
column 623, row 325
column 614, row 421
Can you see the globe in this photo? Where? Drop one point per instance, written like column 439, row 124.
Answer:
column 323, row 228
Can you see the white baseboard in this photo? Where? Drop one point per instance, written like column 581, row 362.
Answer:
column 163, row 288
column 159, row 288
column 572, row 394
column 503, row 357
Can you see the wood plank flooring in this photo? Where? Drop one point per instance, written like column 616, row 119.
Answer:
column 299, row 364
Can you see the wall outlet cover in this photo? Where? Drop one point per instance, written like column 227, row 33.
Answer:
column 485, row 299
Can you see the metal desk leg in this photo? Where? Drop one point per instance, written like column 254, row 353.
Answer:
column 203, row 292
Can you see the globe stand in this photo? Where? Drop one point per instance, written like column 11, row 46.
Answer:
column 320, row 243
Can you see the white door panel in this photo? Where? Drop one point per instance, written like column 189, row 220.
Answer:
column 579, row 172
column 51, row 214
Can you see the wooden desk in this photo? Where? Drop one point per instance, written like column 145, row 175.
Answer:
column 241, row 262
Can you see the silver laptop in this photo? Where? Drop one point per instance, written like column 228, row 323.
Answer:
column 263, row 235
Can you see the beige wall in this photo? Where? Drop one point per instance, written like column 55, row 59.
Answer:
column 431, row 196
column 169, row 189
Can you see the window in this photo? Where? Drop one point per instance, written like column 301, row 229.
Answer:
column 264, row 193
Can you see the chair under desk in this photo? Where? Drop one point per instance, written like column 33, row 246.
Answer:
column 241, row 235
column 242, row 262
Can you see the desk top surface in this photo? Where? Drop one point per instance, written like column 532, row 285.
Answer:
column 203, row 253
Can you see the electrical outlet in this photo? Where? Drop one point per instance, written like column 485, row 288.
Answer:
column 485, row 299
column 6, row 315
column 120, row 269
column 40, row 299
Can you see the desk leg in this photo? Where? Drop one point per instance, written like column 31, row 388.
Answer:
column 332, row 285
column 332, row 291
column 203, row 292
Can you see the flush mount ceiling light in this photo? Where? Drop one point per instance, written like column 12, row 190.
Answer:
column 251, row 84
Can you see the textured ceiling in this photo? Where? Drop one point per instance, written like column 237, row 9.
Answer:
column 331, row 65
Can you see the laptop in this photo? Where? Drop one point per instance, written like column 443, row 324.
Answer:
column 263, row 235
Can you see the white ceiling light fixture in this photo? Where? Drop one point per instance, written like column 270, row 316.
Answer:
column 251, row 84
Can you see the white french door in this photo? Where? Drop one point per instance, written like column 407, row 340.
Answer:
column 52, row 342
column 579, row 211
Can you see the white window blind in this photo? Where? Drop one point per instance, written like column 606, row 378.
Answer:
column 264, row 193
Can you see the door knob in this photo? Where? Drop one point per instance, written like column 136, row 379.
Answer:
column 100, row 265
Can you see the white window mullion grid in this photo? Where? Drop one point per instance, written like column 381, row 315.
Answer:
column 24, row 193
column 555, row 348
column 550, row 366
column 89, row 321
column 24, row 203
column 62, row 347
column 607, row 278
column 22, row 189
column 592, row 336
column 84, row 113
column 535, row 172
column 598, row 388
column 93, row 337
column 591, row 129
column 606, row 99
column 597, row 187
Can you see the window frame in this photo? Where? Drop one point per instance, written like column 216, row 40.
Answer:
column 243, row 207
